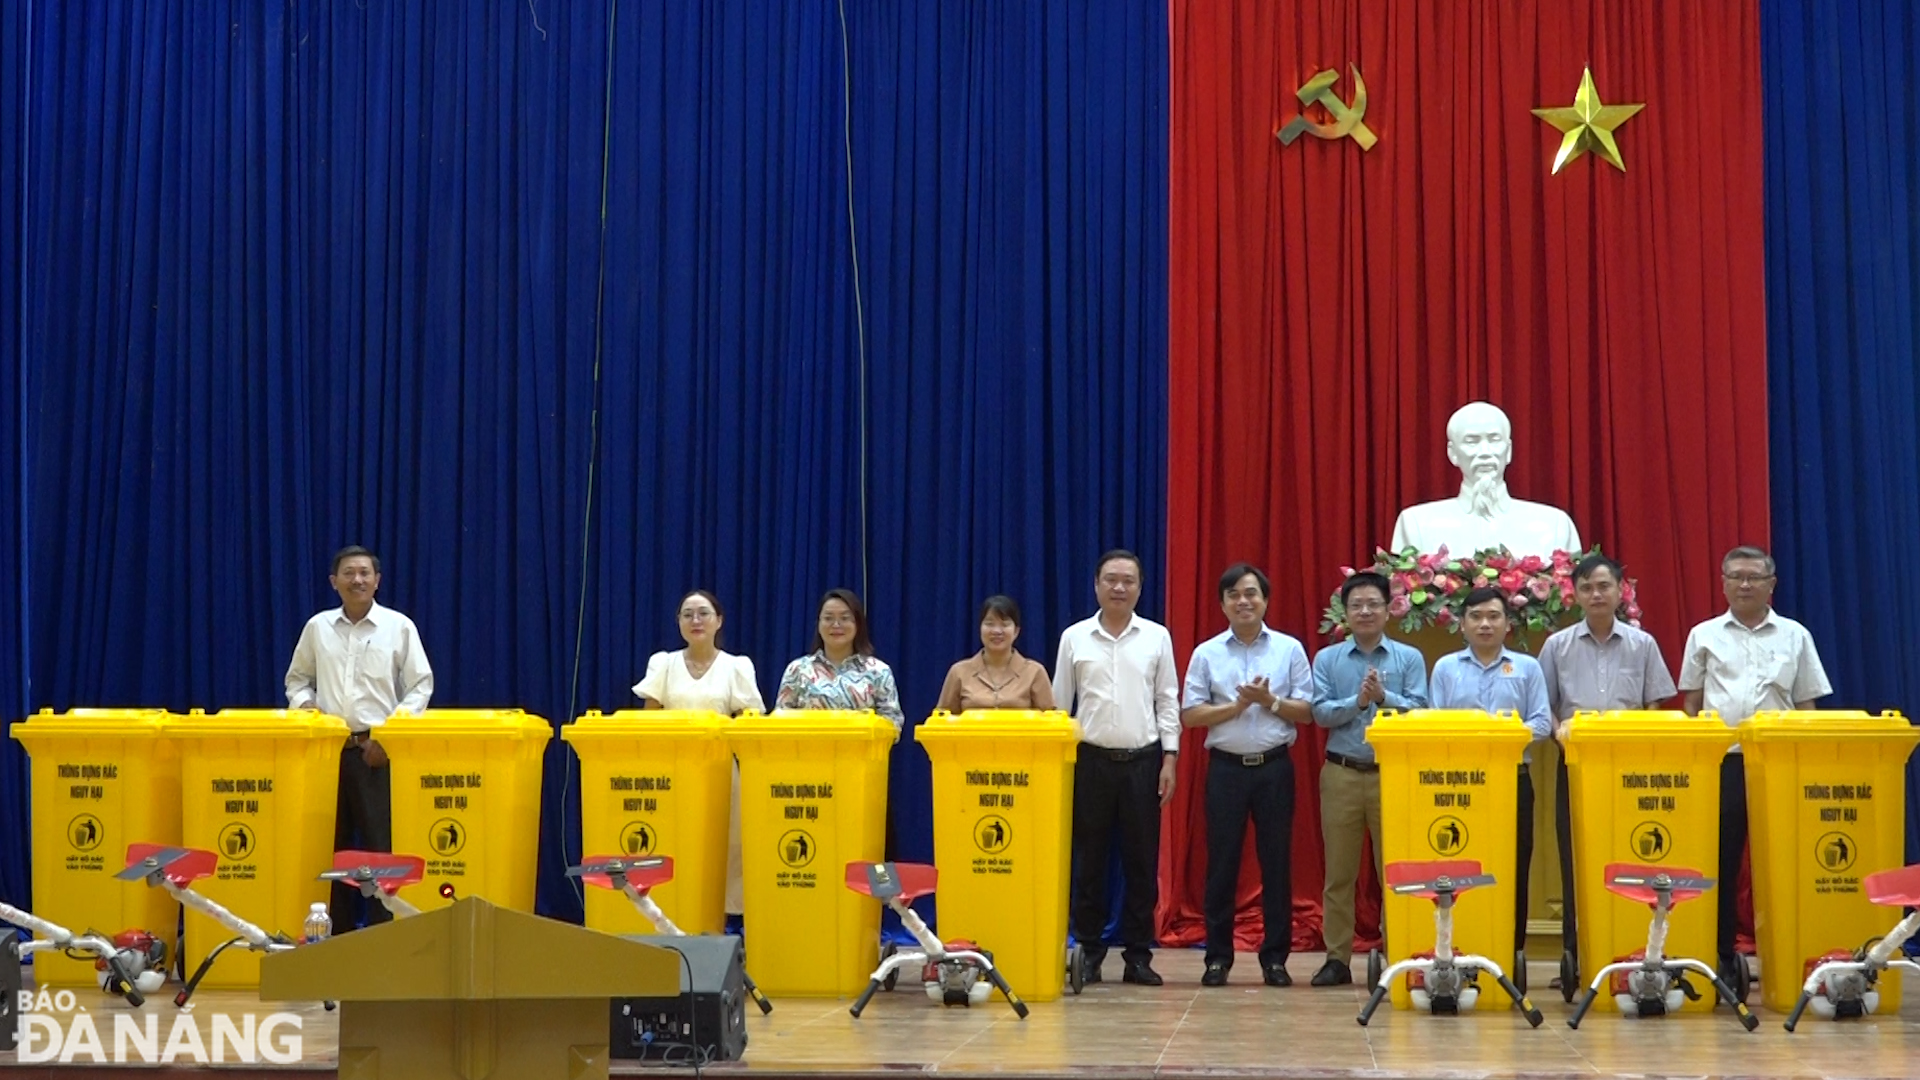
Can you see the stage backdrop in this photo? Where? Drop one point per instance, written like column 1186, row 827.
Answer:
column 310, row 275
column 1331, row 307
column 1843, row 268
column 14, row 840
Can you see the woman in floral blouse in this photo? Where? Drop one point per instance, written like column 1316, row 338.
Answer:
column 841, row 672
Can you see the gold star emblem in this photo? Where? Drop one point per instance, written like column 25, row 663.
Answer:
column 1588, row 125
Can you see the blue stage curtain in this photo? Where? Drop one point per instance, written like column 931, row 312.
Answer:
column 15, row 841
column 1843, row 284
column 320, row 274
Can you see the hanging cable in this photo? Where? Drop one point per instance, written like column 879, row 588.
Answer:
column 593, row 447
column 859, row 303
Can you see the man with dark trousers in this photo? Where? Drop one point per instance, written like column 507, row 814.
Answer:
column 362, row 663
column 1599, row 664
column 1248, row 687
column 1116, row 674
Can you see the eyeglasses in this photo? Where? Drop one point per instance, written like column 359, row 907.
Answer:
column 698, row 616
column 836, row 620
column 1370, row 607
column 1749, row 579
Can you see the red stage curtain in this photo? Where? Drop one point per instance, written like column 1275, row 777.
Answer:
column 1330, row 308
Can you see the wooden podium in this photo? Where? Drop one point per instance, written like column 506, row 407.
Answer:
column 1545, row 905
column 472, row 991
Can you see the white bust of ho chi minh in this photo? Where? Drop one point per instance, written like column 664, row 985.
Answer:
column 1483, row 515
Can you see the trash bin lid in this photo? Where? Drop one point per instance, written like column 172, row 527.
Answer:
column 815, row 724
column 1826, row 725
column 1050, row 726
column 627, row 725
column 1446, row 725
column 92, row 724
column 257, row 724
column 467, row 723
column 1640, row 724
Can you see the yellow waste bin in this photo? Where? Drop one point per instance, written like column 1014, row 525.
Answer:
column 657, row 782
column 258, row 788
column 1645, row 789
column 813, row 798
column 1826, row 806
column 466, row 798
column 100, row 779
column 1450, row 789
column 1002, row 826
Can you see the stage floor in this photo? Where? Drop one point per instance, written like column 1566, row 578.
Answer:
column 1115, row 1031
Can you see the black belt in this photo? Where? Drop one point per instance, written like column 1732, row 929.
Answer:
column 1251, row 761
column 359, row 738
column 1355, row 764
column 1108, row 753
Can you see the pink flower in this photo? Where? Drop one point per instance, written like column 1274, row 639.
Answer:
column 1499, row 562
column 1402, row 583
column 1629, row 592
column 1635, row 623
column 1512, row 580
column 1518, row 600
column 1441, row 555
column 1443, row 617
column 1426, row 562
column 1400, row 606
column 1467, row 567
column 1532, row 564
column 1346, row 571
column 1566, row 593
column 1541, row 588
column 1562, row 562
column 1426, row 575
column 1444, row 583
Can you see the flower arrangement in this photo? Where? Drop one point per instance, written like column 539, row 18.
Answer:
column 1430, row 590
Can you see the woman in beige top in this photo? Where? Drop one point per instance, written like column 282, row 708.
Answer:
column 997, row 677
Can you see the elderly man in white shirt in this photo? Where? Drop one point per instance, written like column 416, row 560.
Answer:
column 362, row 663
column 1116, row 674
column 1749, row 660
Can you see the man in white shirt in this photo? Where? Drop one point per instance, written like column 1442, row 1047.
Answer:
column 1748, row 661
column 1249, row 687
column 362, row 663
column 1117, row 676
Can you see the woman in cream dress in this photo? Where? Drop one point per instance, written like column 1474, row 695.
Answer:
column 702, row 677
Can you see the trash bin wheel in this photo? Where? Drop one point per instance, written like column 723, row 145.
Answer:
column 1569, row 976
column 1742, row 977
column 1376, row 964
column 1076, row 970
column 886, row 953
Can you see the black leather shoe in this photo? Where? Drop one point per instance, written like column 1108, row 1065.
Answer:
column 1333, row 973
column 1276, row 975
column 1216, row 975
column 1090, row 968
column 1142, row 973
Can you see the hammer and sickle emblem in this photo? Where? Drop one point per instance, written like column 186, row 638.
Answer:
column 1347, row 119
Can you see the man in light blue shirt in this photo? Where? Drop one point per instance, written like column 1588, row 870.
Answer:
column 1493, row 678
column 1248, row 687
column 1352, row 681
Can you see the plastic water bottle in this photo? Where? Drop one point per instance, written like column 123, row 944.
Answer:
column 319, row 924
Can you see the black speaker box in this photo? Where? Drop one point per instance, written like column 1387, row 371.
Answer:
column 707, row 1021
column 9, row 989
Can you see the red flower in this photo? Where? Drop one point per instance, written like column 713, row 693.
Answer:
column 1444, row 583
column 1499, row 562
column 1562, row 562
column 1467, row 567
column 1532, row 564
column 1402, row 583
column 1400, row 606
column 1443, row 617
column 1512, row 580
column 1566, row 593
